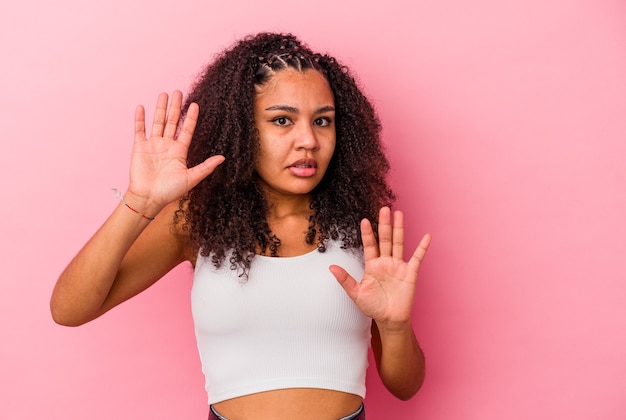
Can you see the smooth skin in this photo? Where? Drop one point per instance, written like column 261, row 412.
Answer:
column 128, row 253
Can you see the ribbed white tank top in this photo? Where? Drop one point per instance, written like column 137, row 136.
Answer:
column 290, row 325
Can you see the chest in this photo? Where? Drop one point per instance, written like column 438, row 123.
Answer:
column 281, row 294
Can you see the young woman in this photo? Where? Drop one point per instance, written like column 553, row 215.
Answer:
column 266, row 179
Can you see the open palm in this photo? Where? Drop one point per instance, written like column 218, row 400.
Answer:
column 387, row 289
column 159, row 172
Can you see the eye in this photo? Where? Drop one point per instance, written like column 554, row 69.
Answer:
column 282, row 121
column 323, row 121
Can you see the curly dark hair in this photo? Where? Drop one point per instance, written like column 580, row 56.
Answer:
column 227, row 211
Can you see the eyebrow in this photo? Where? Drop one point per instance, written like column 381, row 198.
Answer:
column 293, row 110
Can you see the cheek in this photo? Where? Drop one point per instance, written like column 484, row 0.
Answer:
column 264, row 146
column 331, row 148
column 267, row 154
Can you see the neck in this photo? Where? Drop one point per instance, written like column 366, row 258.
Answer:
column 283, row 207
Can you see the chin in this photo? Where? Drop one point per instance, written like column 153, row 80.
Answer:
column 295, row 187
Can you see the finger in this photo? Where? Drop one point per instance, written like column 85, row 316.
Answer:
column 398, row 236
column 173, row 114
column 140, row 124
column 346, row 281
column 158, row 123
column 189, row 124
column 370, row 246
column 384, row 231
column 420, row 253
column 204, row 169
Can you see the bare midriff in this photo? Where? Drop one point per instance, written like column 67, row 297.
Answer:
column 293, row 403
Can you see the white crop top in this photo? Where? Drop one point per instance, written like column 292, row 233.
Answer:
column 290, row 325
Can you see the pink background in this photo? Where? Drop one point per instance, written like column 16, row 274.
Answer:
column 506, row 126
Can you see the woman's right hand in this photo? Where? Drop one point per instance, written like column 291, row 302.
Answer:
column 158, row 169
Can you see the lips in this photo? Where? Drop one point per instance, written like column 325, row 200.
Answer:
column 304, row 167
column 304, row 163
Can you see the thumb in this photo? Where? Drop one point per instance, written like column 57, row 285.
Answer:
column 346, row 281
column 204, row 169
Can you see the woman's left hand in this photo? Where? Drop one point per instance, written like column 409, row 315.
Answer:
column 387, row 289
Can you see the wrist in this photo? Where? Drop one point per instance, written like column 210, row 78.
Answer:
column 394, row 327
column 142, row 206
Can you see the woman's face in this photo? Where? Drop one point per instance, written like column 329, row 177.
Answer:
column 294, row 114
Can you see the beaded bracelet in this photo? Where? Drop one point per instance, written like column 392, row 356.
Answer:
column 121, row 197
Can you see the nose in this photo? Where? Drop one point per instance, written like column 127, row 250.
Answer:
column 306, row 138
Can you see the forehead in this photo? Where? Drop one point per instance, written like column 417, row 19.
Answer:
column 290, row 85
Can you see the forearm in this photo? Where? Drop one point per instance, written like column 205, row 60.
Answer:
column 399, row 360
column 85, row 284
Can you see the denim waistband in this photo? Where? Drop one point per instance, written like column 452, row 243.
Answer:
column 359, row 414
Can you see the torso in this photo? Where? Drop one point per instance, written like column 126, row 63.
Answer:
column 300, row 403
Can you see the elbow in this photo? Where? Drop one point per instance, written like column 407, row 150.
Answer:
column 407, row 388
column 63, row 316
column 64, row 322
column 407, row 393
column 61, row 319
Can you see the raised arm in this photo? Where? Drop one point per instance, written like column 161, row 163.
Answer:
column 386, row 294
column 130, row 252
